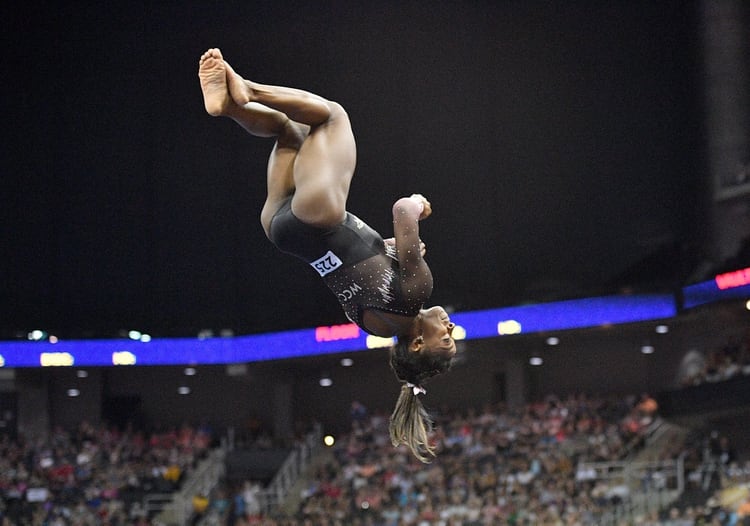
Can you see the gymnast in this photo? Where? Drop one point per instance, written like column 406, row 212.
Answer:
column 381, row 284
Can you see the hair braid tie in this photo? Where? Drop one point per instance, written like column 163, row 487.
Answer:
column 416, row 389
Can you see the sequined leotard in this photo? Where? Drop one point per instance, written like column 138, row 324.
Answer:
column 362, row 270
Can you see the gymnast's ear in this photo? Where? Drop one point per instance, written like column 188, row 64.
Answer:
column 416, row 344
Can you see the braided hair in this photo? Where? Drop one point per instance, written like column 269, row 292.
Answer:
column 410, row 423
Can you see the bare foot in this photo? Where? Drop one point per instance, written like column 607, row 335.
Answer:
column 212, row 72
column 239, row 88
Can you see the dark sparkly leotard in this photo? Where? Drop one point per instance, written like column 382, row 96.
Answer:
column 359, row 267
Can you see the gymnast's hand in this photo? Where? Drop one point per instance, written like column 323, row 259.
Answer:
column 427, row 210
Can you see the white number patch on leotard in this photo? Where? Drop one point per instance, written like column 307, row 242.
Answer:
column 327, row 263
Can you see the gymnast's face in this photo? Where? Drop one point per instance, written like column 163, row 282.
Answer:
column 436, row 328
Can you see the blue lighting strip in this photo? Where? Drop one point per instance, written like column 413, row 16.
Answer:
column 709, row 292
column 572, row 314
column 172, row 351
column 563, row 315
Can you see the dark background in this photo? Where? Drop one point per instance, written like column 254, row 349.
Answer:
column 559, row 142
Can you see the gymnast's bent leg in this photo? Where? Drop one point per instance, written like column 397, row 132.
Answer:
column 315, row 153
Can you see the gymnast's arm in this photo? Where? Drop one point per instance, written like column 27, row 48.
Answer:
column 416, row 278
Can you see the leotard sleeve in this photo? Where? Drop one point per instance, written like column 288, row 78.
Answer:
column 415, row 275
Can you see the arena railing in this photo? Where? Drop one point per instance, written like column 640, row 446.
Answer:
column 180, row 509
column 177, row 508
column 291, row 470
column 645, row 486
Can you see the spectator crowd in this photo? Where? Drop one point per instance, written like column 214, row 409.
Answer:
column 93, row 475
column 498, row 467
column 493, row 466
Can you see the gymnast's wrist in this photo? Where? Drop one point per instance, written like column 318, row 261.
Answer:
column 408, row 205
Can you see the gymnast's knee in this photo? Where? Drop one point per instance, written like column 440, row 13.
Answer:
column 337, row 111
column 292, row 135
